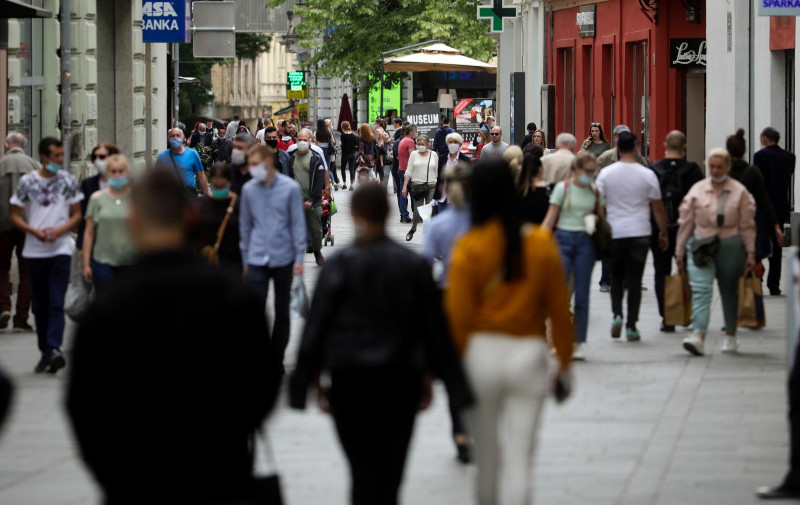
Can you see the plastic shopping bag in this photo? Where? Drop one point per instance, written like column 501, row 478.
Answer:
column 79, row 292
column 426, row 212
column 299, row 299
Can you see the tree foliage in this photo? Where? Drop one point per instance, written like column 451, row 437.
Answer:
column 348, row 36
column 248, row 46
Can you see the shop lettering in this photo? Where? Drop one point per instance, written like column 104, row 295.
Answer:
column 161, row 24
column 587, row 18
column 767, row 4
column 690, row 57
column 423, row 119
column 158, row 9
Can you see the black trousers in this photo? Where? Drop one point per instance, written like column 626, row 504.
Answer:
column 775, row 264
column 259, row 278
column 349, row 164
column 627, row 268
column 662, row 263
column 374, row 410
column 792, row 480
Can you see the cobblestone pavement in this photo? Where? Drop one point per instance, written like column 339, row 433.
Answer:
column 647, row 424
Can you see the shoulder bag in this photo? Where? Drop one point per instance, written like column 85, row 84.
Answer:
column 704, row 249
column 189, row 190
column 211, row 253
column 601, row 238
column 365, row 160
column 420, row 190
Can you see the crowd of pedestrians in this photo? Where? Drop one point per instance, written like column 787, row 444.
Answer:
column 517, row 230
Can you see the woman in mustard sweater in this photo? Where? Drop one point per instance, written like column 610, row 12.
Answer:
column 505, row 282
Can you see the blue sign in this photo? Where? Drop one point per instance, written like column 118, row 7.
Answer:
column 779, row 7
column 165, row 21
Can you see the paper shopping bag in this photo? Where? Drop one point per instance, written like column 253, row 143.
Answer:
column 677, row 300
column 750, row 313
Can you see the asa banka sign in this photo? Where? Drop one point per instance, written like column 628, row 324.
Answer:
column 687, row 53
column 165, row 21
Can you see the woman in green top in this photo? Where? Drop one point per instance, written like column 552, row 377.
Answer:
column 106, row 241
column 596, row 143
column 574, row 206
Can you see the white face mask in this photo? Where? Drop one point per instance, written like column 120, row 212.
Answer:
column 302, row 146
column 454, row 148
column 259, row 172
column 422, row 148
column 286, row 138
column 237, row 157
column 100, row 165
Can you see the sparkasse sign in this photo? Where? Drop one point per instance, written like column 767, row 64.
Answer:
column 164, row 21
column 778, row 7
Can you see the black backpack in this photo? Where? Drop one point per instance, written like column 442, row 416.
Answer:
column 670, row 173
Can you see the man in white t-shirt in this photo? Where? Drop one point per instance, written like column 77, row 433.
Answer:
column 631, row 190
column 50, row 198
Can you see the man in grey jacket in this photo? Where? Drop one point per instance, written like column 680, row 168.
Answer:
column 612, row 155
column 13, row 165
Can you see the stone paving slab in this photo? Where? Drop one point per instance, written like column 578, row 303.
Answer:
column 647, row 425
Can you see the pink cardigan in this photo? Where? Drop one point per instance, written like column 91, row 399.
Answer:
column 698, row 214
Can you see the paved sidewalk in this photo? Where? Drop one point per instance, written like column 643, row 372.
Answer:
column 648, row 425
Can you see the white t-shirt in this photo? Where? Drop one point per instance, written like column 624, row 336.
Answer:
column 260, row 136
column 46, row 202
column 629, row 188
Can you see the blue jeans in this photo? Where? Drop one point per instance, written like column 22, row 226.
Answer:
column 102, row 273
column 49, row 279
column 402, row 203
column 578, row 257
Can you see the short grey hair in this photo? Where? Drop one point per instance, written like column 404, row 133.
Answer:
column 310, row 133
column 423, row 138
column 16, row 139
column 621, row 128
column 454, row 136
column 566, row 139
column 246, row 138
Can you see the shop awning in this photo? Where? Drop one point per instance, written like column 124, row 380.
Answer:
column 18, row 9
column 285, row 110
column 437, row 57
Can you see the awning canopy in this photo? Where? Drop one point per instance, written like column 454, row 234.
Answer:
column 437, row 57
column 284, row 110
column 17, row 9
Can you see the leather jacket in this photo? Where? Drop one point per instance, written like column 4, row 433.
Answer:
column 353, row 321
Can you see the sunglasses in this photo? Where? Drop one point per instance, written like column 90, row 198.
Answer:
column 493, row 134
column 594, row 124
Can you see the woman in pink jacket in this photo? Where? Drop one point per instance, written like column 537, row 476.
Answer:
column 718, row 213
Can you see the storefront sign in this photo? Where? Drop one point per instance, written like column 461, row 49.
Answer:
column 778, row 7
column 469, row 114
column 586, row 20
column 302, row 112
column 391, row 99
column 687, row 53
column 497, row 13
column 165, row 21
column 296, row 86
column 425, row 116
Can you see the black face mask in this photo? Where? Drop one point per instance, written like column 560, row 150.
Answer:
column 273, row 143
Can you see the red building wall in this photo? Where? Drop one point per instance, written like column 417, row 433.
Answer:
column 619, row 24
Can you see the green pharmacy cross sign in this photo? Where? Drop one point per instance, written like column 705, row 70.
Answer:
column 497, row 13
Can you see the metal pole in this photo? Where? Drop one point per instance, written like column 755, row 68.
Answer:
column 175, row 83
column 66, row 80
column 148, row 104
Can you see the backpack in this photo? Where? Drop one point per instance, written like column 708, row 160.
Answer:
column 672, row 187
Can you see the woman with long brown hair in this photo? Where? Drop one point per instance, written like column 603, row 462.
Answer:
column 367, row 148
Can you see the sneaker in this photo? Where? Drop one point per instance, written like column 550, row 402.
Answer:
column 633, row 335
column 56, row 362
column 694, row 344
column 336, row 187
column 776, row 493
column 731, row 345
column 5, row 316
column 578, row 353
column 23, row 328
column 41, row 366
column 352, row 188
column 667, row 328
column 616, row 327
column 344, row 186
column 319, row 258
column 605, row 288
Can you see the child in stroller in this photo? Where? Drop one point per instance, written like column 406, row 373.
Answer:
column 328, row 210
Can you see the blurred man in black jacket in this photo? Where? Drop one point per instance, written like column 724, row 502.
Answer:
column 172, row 369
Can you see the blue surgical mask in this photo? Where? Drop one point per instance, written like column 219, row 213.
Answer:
column 720, row 179
column 118, row 182
column 54, row 168
column 221, row 193
column 175, row 143
column 586, row 180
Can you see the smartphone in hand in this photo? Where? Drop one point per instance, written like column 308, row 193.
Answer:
column 562, row 387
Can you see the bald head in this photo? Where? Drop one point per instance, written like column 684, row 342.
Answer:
column 176, row 133
column 15, row 139
column 304, row 134
column 676, row 141
column 497, row 135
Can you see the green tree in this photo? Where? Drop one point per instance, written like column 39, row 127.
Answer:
column 248, row 46
column 348, row 36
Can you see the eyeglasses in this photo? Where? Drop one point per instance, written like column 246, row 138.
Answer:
column 99, row 156
column 493, row 134
column 594, row 124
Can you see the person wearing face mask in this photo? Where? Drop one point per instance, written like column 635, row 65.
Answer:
column 202, row 137
column 632, row 191
column 448, row 162
column 717, row 206
column 50, row 199
column 13, row 165
column 272, row 228
column 308, row 169
column 240, row 170
column 282, row 159
column 221, row 149
column 91, row 185
column 286, row 140
column 213, row 210
column 573, row 202
column 184, row 163
column 420, row 179
column 106, row 241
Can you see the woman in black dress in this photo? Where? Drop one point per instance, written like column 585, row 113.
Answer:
column 531, row 188
column 212, row 212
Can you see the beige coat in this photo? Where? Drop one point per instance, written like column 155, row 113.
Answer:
column 13, row 165
column 557, row 166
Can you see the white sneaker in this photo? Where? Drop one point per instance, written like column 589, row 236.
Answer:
column 731, row 345
column 578, row 353
column 694, row 344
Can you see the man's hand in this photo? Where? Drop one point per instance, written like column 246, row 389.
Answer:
column 87, row 273
column 663, row 241
column 40, row 234
column 750, row 264
column 298, row 269
column 307, row 205
column 52, row 234
column 779, row 235
column 681, row 264
column 404, row 192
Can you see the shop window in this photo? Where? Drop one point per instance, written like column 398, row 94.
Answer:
column 587, row 69
column 638, row 94
column 607, row 88
column 566, row 89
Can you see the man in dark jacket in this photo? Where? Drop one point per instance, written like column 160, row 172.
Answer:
column 282, row 160
column 308, row 169
column 221, row 149
column 528, row 138
column 676, row 176
column 172, row 423
column 777, row 166
column 439, row 140
column 202, row 137
column 371, row 359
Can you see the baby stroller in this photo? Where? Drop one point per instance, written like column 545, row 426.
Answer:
column 328, row 210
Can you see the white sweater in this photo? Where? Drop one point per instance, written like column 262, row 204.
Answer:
column 419, row 168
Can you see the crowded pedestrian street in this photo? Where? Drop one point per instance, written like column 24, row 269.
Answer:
column 647, row 423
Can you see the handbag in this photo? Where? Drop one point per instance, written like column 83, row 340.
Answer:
column 677, row 300
column 704, row 249
column 601, row 238
column 211, row 253
column 266, row 482
column 420, row 191
column 750, row 312
column 365, row 160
